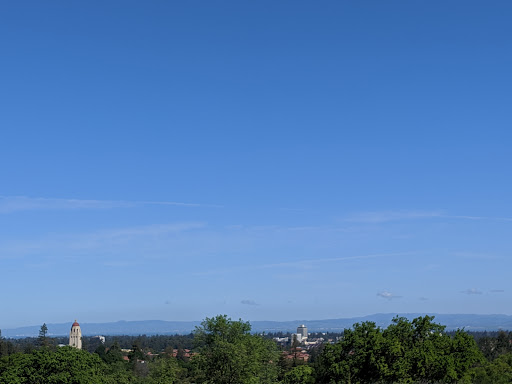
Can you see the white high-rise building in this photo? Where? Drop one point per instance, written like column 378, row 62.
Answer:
column 75, row 336
column 303, row 330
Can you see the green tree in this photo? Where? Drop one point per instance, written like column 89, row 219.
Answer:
column 135, row 353
column 42, row 339
column 230, row 354
column 358, row 357
column 66, row 365
column 303, row 374
column 164, row 370
column 3, row 349
column 499, row 371
column 405, row 352
column 180, row 354
column 464, row 353
column 113, row 354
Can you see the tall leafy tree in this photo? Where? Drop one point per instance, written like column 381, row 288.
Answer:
column 303, row 374
column 42, row 339
column 66, row 365
column 3, row 346
column 498, row 371
column 359, row 357
column 164, row 370
column 230, row 354
column 405, row 352
column 113, row 354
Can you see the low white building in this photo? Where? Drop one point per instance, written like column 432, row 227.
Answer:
column 296, row 336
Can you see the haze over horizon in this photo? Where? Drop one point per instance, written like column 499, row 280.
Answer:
column 266, row 160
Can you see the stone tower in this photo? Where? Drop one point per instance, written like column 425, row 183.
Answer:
column 75, row 336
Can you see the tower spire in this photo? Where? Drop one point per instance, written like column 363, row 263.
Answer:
column 75, row 336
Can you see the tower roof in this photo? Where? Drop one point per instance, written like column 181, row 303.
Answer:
column 75, row 324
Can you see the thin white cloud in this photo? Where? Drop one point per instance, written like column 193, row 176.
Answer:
column 386, row 216
column 472, row 291
column 120, row 264
column 302, row 264
column 388, row 295
column 148, row 230
column 248, row 302
column 10, row 204
column 281, row 229
column 118, row 237
column 377, row 217
column 477, row 256
column 113, row 239
column 334, row 259
column 478, row 218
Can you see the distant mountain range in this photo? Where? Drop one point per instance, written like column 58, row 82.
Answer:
column 152, row 327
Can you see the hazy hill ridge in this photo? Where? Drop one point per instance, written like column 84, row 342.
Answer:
column 151, row 327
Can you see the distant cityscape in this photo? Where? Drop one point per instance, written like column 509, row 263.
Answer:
column 300, row 356
column 470, row 322
column 298, row 343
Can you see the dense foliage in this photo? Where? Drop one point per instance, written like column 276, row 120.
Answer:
column 63, row 366
column 405, row 352
column 230, row 354
column 225, row 351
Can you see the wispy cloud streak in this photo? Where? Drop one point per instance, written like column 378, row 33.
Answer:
column 302, row 263
column 249, row 302
column 472, row 291
column 10, row 204
column 477, row 217
column 377, row 217
column 119, row 239
column 388, row 295
column 334, row 259
column 386, row 216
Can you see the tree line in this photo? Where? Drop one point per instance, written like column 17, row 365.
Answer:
column 224, row 351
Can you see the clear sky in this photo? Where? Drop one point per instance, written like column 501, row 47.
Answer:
column 270, row 160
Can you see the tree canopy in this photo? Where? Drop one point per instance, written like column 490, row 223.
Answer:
column 229, row 354
column 405, row 352
column 226, row 352
column 66, row 365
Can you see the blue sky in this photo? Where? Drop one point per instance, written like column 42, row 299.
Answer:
column 268, row 160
